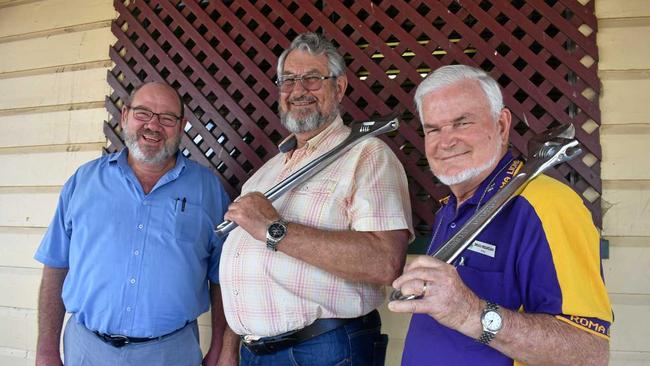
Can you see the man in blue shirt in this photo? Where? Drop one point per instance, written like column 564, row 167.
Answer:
column 131, row 251
column 529, row 289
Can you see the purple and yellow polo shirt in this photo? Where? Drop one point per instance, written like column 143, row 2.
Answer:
column 540, row 254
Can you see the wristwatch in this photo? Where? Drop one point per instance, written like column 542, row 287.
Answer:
column 274, row 233
column 491, row 321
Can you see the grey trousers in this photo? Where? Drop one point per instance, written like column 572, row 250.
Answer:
column 81, row 347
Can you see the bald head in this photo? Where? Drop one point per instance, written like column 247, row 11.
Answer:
column 156, row 88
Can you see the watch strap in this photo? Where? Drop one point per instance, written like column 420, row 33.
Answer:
column 271, row 243
column 487, row 336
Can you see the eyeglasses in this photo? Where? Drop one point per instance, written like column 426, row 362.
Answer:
column 310, row 82
column 145, row 115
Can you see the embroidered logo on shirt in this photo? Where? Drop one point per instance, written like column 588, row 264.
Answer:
column 483, row 248
column 594, row 324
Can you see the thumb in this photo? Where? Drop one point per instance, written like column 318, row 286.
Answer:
column 408, row 306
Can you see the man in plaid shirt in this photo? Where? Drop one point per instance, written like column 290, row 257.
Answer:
column 301, row 278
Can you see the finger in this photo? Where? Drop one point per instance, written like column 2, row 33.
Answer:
column 256, row 195
column 413, row 287
column 230, row 215
column 410, row 306
column 421, row 273
column 425, row 261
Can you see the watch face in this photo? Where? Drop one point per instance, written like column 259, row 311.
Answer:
column 492, row 321
column 277, row 230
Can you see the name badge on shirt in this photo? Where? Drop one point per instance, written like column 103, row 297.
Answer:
column 483, row 248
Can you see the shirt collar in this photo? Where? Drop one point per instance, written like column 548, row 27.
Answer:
column 121, row 159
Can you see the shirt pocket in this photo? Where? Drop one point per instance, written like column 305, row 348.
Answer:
column 317, row 187
column 188, row 222
column 487, row 285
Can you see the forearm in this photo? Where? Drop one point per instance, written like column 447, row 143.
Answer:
column 224, row 346
column 230, row 346
column 533, row 339
column 373, row 257
column 541, row 339
column 51, row 311
column 217, row 318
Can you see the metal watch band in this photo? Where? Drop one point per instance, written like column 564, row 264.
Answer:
column 487, row 336
column 490, row 306
column 272, row 243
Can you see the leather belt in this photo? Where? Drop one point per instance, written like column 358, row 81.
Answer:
column 119, row 340
column 268, row 345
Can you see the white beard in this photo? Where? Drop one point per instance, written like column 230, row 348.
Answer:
column 169, row 148
column 474, row 172
column 466, row 174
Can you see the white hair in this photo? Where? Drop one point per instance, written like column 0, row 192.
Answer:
column 447, row 75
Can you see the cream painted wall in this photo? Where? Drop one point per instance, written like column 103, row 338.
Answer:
column 624, row 70
column 52, row 86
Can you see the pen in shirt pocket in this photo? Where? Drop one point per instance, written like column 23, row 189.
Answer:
column 183, row 204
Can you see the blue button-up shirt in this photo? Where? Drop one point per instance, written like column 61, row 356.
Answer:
column 138, row 264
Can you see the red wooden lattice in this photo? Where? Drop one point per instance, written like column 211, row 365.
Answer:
column 221, row 57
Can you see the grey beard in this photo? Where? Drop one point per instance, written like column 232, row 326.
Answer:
column 309, row 123
column 161, row 156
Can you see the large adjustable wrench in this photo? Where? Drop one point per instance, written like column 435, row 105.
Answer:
column 551, row 148
column 360, row 131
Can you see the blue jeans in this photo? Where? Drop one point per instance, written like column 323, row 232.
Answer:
column 352, row 344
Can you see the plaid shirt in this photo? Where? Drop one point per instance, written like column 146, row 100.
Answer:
column 267, row 293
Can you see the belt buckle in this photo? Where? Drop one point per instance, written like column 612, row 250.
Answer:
column 249, row 339
column 118, row 340
column 257, row 345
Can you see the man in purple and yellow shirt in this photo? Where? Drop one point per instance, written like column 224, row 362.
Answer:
column 529, row 290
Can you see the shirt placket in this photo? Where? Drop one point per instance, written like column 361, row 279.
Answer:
column 290, row 166
column 134, row 269
column 239, row 272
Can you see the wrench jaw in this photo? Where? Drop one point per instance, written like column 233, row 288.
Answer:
column 554, row 152
column 553, row 147
column 564, row 131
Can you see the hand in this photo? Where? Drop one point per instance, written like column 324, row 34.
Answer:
column 48, row 359
column 210, row 359
column 446, row 298
column 214, row 359
column 254, row 213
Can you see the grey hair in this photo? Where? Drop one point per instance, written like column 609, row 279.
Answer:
column 447, row 75
column 316, row 44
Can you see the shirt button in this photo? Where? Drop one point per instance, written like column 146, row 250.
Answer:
column 136, row 252
column 453, row 225
column 235, row 292
column 140, row 226
column 237, row 255
column 128, row 308
column 132, row 281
